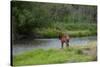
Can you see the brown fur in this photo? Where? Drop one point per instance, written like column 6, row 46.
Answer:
column 64, row 39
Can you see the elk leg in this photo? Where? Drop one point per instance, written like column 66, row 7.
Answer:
column 61, row 44
column 67, row 43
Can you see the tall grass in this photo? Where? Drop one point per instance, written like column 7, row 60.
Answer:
column 73, row 29
column 51, row 56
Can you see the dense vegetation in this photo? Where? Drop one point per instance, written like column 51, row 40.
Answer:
column 38, row 19
column 51, row 56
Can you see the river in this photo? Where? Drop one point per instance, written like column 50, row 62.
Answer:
column 23, row 46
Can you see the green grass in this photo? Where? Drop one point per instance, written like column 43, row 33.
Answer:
column 51, row 56
column 73, row 29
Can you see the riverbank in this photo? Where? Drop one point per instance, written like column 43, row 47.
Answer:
column 67, row 55
column 72, row 29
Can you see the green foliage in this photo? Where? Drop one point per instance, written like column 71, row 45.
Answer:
column 73, row 29
column 29, row 16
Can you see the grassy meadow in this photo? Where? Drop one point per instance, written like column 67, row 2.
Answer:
column 51, row 56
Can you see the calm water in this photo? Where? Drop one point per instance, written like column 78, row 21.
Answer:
column 23, row 46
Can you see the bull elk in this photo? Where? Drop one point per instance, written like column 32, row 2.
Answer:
column 64, row 38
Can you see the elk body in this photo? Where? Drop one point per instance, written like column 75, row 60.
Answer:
column 64, row 38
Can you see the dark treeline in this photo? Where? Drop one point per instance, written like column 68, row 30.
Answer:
column 32, row 18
